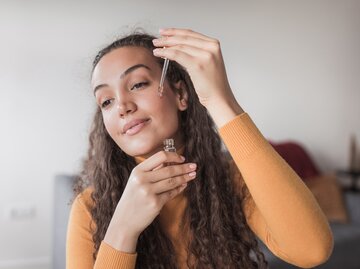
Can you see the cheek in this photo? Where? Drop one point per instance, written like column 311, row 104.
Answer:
column 167, row 119
column 164, row 109
column 112, row 125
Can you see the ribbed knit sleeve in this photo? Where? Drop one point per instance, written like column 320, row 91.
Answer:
column 282, row 211
column 109, row 257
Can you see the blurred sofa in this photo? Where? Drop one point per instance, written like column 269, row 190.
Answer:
column 341, row 207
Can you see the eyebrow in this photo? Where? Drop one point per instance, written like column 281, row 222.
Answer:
column 126, row 72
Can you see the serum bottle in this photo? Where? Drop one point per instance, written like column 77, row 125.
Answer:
column 169, row 145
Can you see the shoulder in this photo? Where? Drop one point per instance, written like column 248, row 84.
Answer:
column 81, row 226
column 83, row 201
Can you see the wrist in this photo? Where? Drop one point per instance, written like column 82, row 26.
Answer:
column 119, row 235
column 223, row 111
column 121, row 240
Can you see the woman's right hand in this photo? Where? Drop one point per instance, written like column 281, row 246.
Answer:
column 150, row 186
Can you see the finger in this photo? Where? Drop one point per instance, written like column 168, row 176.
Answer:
column 172, row 183
column 171, row 171
column 187, row 49
column 169, row 41
column 184, row 32
column 159, row 158
column 179, row 56
column 160, row 166
column 167, row 196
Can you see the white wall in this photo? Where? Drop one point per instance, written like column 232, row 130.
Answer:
column 294, row 67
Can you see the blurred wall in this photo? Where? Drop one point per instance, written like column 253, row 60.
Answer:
column 294, row 67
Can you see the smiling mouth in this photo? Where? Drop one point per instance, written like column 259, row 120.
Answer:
column 136, row 128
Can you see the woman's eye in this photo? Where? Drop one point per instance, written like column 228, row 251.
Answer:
column 139, row 85
column 105, row 103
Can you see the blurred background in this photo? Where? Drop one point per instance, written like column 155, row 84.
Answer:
column 294, row 66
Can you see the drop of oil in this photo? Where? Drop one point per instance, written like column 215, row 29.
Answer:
column 160, row 91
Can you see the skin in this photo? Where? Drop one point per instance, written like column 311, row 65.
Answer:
column 152, row 184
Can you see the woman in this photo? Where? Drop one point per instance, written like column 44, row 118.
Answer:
column 138, row 206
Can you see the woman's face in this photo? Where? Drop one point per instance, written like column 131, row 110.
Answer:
column 125, row 83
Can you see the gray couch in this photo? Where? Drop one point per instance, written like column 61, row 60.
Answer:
column 63, row 194
column 346, row 252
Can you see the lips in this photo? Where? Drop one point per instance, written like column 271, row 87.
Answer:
column 133, row 123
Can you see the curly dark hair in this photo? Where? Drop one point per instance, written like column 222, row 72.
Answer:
column 221, row 237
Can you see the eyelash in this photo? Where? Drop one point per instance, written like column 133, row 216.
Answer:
column 103, row 104
column 137, row 86
column 140, row 84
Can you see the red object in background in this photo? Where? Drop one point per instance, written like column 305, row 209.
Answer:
column 297, row 157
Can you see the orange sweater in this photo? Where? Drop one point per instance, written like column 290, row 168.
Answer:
column 281, row 211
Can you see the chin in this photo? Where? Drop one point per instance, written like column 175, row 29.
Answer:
column 140, row 149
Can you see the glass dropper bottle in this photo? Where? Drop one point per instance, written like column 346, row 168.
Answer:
column 169, row 145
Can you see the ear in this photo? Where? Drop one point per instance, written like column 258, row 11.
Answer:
column 181, row 95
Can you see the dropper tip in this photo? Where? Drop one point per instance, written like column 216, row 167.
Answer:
column 160, row 90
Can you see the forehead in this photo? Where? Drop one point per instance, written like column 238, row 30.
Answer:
column 117, row 61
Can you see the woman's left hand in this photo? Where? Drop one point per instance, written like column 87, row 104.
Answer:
column 201, row 57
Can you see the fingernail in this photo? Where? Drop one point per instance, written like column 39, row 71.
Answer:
column 156, row 51
column 155, row 41
column 161, row 30
column 193, row 165
column 182, row 158
column 192, row 174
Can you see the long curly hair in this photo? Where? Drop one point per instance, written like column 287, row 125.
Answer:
column 221, row 237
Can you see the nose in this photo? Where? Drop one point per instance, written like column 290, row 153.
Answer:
column 125, row 106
